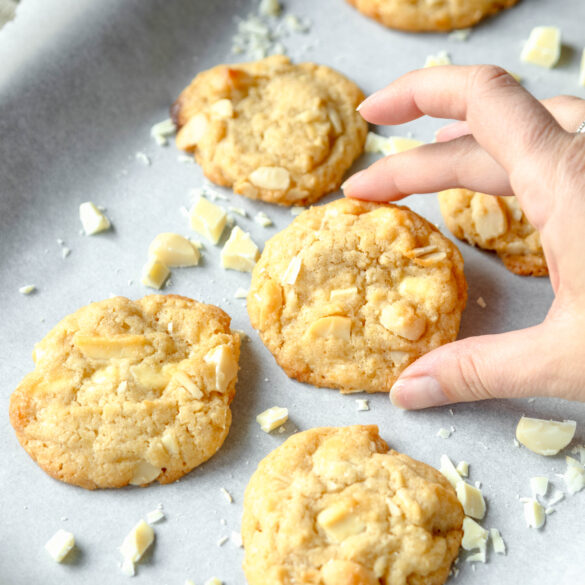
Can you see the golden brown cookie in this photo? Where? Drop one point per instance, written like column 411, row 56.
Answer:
column 272, row 130
column 430, row 15
column 352, row 292
column 333, row 506
column 126, row 392
column 495, row 223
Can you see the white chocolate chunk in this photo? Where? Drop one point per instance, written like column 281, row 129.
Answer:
column 149, row 376
column 137, row 541
column 144, row 473
column 226, row 366
column 335, row 326
column 545, row 437
column 488, row 217
column 192, row 132
column 389, row 144
column 534, row 514
column 449, row 471
column 498, row 543
column 478, row 557
column 574, row 476
column 474, row 536
column 154, row 273
column 60, row 544
column 173, row 250
column 272, row 418
column 539, row 486
column 263, row 219
column 292, row 270
column 170, row 443
column 340, row 522
column 471, row 499
column 184, row 381
column 93, row 219
column 463, row 468
column 401, row 319
column 543, row 46
column 123, row 346
column 343, row 293
column 443, row 433
column 155, row 516
column 362, row 404
column 399, row 144
column 441, row 58
column 241, row 293
column 223, row 109
column 272, row 178
column 27, row 289
column 208, row 219
column 239, row 252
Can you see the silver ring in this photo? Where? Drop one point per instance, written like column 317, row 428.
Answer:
column 581, row 129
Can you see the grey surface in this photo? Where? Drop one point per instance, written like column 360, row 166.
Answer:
column 80, row 85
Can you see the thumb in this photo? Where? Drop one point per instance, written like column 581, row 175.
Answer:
column 507, row 365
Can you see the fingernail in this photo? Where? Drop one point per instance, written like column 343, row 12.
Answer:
column 352, row 179
column 370, row 97
column 417, row 392
column 361, row 104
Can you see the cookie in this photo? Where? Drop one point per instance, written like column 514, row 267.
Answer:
column 272, row 130
column 335, row 506
column 126, row 392
column 430, row 15
column 495, row 223
column 352, row 292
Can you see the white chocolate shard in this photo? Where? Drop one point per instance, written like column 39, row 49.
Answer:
column 362, row 404
column 574, row 476
column 271, row 178
column 488, row 217
column 208, row 219
column 60, row 544
column 239, row 252
column 401, row 319
column 534, row 514
column 272, row 418
column 449, row 471
column 137, row 541
column 471, row 499
column 339, row 522
column 474, row 536
column 545, row 437
column 226, row 366
column 539, row 485
column 27, row 289
column 93, row 219
column 292, row 270
column 192, row 132
column 463, row 468
column 498, row 543
column 223, row 109
column 173, row 250
column 543, row 47
column 123, row 346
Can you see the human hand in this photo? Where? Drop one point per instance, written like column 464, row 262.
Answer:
column 505, row 143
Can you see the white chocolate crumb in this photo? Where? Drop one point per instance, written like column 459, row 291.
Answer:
column 272, row 418
column 213, row 581
column 534, row 514
column 481, row 302
column 93, row 219
column 239, row 210
column 297, row 209
column 60, row 545
column 241, row 293
column 27, row 289
column 463, row 468
column 498, row 543
column 460, row 35
column 65, row 251
column 441, row 58
column 222, row 540
column 162, row 131
column 362, row 404
column 186, row 159
column 236, row 539
column 263, row 219
column 143, row 158
column 443, row 433
column 155, row 516
column 229, row 498
column 127, row 567
column 539, row 485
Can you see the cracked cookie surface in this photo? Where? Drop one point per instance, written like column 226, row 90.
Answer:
column 352, row 292
column 272, row 130
column 335, row 506
column 430, row 15
column 497, row 224
column 128, row 392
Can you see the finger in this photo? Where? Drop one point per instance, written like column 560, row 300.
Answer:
column 452, row 131
column 503, row 117
column 427, row 169
column 508, row 365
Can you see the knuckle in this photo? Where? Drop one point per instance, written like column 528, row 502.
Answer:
column 469, row 377
column 490, row 76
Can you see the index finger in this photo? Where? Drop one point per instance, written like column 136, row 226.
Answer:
column 506, row 120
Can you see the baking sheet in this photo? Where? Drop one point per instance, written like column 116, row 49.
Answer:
column 81, row 83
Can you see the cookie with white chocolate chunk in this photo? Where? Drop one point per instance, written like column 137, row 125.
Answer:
column 495, row 223
column 128, row 392
column 272, row 130
column 352, row 292
column 335, row 506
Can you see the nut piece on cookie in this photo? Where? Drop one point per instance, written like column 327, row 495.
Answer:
column 335, row 506
column 430, row 15
column 495, row 223
column 351, row 293
column 129, row 392
column 272, row 130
